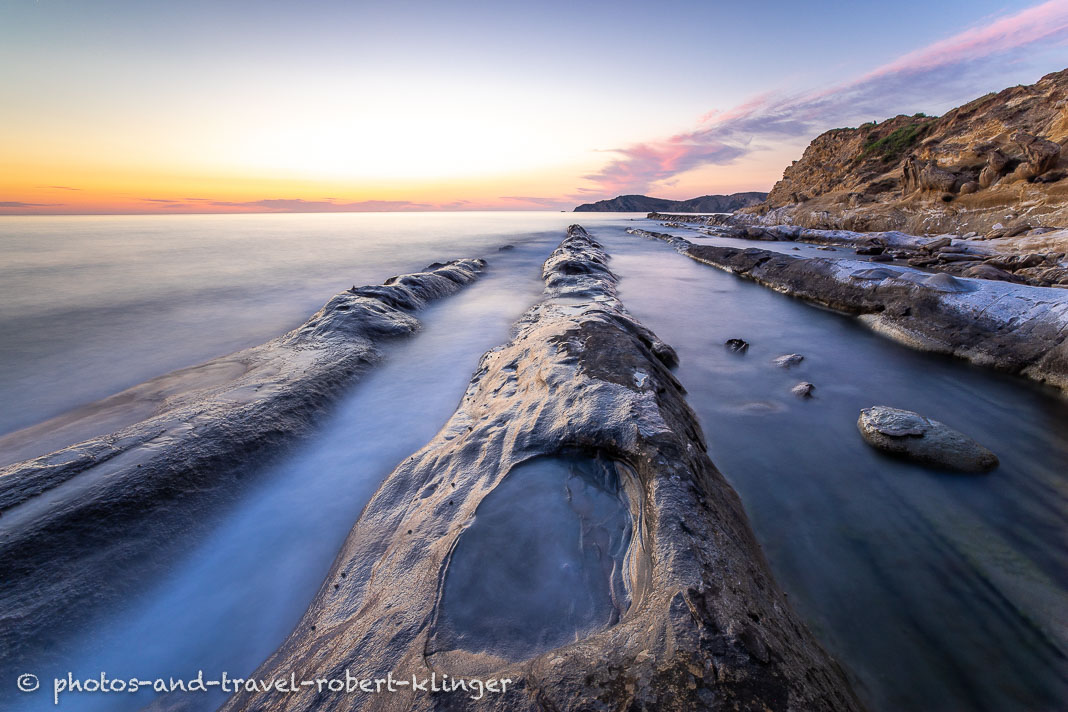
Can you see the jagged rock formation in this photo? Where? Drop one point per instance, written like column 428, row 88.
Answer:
column 1000, row 155
column 696, row 621
column 73, row 518
column 703, row 204
column 1011, row 327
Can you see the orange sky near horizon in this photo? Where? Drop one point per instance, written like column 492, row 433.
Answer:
column 58, row 188
column 124, row 107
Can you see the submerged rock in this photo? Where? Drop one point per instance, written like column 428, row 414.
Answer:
column 671, row 608
column 803, row 389
column 911, row 435
column 738, row 346
column 81, row 523
column 789, row 360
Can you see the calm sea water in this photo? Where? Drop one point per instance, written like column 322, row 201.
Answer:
column 936, row 591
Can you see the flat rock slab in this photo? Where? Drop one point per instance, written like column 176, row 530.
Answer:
column 911, row 435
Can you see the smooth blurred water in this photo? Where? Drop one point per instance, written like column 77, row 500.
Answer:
column 937, row 592
column 92, row 305
column 236, row 594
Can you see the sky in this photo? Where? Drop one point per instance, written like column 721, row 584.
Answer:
column 126, row 106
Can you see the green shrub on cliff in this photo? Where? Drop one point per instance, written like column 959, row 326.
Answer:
column 896, row 143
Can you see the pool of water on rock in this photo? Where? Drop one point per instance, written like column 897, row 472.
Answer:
column 541, row 564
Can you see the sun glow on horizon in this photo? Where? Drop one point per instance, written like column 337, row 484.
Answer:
column 245, row 106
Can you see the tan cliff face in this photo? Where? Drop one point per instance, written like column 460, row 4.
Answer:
column 997, row 166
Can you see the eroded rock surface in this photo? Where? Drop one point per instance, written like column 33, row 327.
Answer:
column 1011, row 327
column 695, row 620
column 73, row 518
column 911, row 435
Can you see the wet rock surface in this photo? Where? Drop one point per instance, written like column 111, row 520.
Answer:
column 80, row 523
column 1011, row 327
column 695, row 621
column 912, row 436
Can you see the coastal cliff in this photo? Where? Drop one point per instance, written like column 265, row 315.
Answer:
column 995, row 166
column 691, row 617
column 703, row 204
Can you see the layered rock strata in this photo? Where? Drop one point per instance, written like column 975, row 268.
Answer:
column 695, row 620
column 74, row 518
column 1010, row 327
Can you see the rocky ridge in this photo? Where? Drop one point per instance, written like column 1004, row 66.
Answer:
column 74, row 517
column 1015, row 328
column 965, row 257
column 703, row 204
column 702, row 624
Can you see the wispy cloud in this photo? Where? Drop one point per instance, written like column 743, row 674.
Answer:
column 287, row 205
column 56, row 187
column 18, row 204
column 949, row 68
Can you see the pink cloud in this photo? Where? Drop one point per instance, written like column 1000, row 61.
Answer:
column 956, row 68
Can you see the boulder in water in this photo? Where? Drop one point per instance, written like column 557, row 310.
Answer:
column 911, row 435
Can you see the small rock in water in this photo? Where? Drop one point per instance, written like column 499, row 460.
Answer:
column 803, row 389
column 738, row 346
column 789, row 360
column 505, row 248
column 911, row 435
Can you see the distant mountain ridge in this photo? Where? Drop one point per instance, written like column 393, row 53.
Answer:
column 703, row 204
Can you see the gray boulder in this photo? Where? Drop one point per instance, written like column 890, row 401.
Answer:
column 911, row 435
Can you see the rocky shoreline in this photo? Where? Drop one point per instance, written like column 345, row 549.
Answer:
column 1038, row 264
column 72, row 518
column 699, row 622
column 1016, row 328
